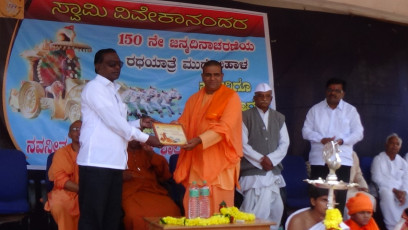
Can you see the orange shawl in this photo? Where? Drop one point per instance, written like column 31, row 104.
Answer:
column 221, row 114
column 354, row 226
column 147, row 170
column 64, row 168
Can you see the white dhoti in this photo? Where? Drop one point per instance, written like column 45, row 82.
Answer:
column 389, row 174
column 262, row 197
column 390, row 208
column 317, row 226
column 320, row 226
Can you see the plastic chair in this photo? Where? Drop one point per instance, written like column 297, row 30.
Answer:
column 47, row 186
column 294, row 172
column 365, row 166
column 17, row 195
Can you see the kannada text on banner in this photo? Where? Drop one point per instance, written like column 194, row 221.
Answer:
column 52, row 59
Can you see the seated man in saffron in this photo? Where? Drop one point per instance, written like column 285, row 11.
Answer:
column 143, row 195
column 63, row 198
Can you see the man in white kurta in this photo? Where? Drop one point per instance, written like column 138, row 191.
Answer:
column 265, row 143
column 390, row 172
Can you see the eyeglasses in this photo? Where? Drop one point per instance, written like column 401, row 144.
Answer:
column 113, row 64
column 76, row 129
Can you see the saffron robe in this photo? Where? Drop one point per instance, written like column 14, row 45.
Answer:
column 62, row 203
column 143, row 196
column 217, row 120
column 354, row 226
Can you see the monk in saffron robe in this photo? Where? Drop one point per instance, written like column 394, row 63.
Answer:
column 143, row 195
column 360, row 209
column 212, row 120
column 63, row 198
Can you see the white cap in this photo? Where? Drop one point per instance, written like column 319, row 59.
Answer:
column 262, row 87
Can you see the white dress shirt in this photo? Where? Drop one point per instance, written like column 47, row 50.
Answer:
column 343, row 122
column 105, row 131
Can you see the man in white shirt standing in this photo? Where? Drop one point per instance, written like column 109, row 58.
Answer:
column 102, row 156
column 265, row 142
column 333, row 120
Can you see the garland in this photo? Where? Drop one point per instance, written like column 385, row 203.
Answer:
column 213, row 220
column 333, row 219
column 237, row 214
column 227, row 215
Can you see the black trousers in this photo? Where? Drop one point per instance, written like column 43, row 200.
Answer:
column 343, row 173
column 100, row 198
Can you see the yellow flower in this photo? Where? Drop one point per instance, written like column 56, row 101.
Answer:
column 333, row 219
column 223, row 218
column 237, row 214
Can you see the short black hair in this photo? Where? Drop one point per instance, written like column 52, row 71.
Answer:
column 336, row 81
column 212, row 63
column 99, row 55
column 315, row 192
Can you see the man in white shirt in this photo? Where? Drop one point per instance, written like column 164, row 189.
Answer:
column 104, row 136
column 265, row 142
column 333, row 120
column 389, row 171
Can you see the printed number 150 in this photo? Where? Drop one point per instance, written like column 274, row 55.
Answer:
column 130, row 39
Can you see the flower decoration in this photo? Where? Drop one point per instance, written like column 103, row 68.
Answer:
column 213, row 220
column 227, row 215
column 333, row 219
column 237, row 214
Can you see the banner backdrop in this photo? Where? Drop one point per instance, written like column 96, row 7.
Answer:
column 163, row 46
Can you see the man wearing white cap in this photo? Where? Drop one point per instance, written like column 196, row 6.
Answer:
column 265, row 143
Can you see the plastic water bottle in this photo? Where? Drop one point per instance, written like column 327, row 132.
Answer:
column 193, row 201
column 204, row 201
